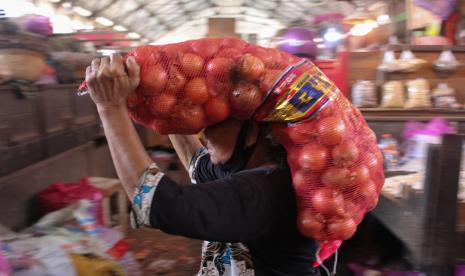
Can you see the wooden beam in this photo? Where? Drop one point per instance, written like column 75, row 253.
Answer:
column 98, row 11
column 138, row 7
column 441, row 208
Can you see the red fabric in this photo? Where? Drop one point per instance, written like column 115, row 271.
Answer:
column 450, row 27
column 60, row 195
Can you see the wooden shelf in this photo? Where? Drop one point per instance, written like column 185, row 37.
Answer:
column 427, row 48
column 405, row 114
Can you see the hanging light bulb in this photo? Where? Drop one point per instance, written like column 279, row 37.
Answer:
column 363, row 28
column 61, row 24
column 16, row 8
column 383, row 19
column 82, row 11
column 133, row 35
column 333, row 35
column 104, row 21
column 119, row 28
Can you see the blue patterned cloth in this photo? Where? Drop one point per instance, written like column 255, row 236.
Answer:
column 218, row 259
column 143, row 196
column 221, row 258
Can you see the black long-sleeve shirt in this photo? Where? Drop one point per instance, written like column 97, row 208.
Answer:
column 255, row 207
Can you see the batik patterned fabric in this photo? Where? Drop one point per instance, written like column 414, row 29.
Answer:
column 219, row 258
column 231, row 259
column 143, row 196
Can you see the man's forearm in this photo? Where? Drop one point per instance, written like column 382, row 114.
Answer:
column 186, row 146
column 128, row 153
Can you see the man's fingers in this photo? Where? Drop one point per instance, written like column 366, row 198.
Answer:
column 133, row 71
column 116, row 63
column 95, row 65
column 88, row 73
column 104, row 63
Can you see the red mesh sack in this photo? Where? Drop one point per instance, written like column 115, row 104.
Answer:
column 332, row 153
column 202, row 82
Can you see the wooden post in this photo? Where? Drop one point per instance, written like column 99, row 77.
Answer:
column 441, row 187
column 220, row 27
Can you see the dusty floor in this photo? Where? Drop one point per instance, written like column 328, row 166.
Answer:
column 162, row 254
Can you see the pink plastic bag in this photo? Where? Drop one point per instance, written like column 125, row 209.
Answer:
column 39, row 24
column 436, row 127
column 441, row 8
column 5, row 269
column 411, row 128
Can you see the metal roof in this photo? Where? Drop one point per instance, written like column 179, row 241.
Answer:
column 166, row 21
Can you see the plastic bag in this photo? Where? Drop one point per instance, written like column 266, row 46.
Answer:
column 31, row 257
column 407, row 62
column 364, row 94
column 96, row 266
column 335, row 163
column 446, row 61
column 418, row 136
column 60, row 195
column 5, row 269
column 411, row 128
column 38, row 24
column 393, row 94
column 437, row 127
column 444, row 97
column 441, row 8
column 418, row 94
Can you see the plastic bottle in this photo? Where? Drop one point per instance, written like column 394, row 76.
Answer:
column 390, row 149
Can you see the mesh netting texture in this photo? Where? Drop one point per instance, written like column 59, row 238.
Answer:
column 333, row 156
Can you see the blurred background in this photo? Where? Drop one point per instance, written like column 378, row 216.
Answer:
column 400, row 61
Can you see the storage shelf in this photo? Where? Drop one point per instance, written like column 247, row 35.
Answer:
column 427, row 48
column 405, row 114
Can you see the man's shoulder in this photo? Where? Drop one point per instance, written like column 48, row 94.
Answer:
column 266, row 175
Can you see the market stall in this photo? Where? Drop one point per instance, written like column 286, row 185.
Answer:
column 411, row 205
column 426, row 219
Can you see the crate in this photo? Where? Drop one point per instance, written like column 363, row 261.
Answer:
column 88, row 132
column 19, row 156
column 112, row 188
column 17, row 190
column 56, row 108
column 21, row 64
column 50, row 120
column 60, row 142
column 19, row 122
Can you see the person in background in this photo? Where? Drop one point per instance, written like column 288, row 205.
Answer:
column 241, row 201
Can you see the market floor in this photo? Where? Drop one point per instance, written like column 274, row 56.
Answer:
column 162, row 254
